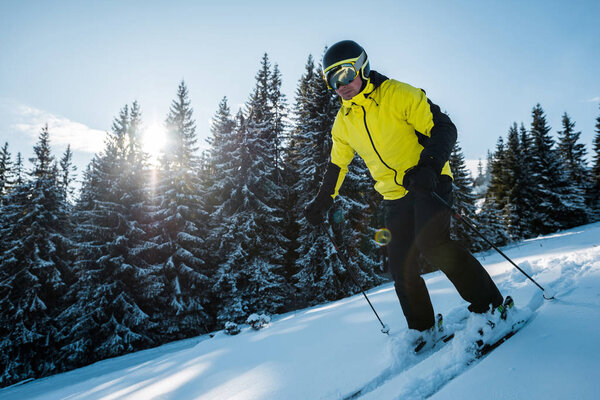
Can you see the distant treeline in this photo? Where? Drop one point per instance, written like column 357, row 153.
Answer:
column 145, row 254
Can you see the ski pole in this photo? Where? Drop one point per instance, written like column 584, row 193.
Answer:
column 384, row 328
column 548, row 295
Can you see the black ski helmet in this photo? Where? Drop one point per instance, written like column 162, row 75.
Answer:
column 346, row 50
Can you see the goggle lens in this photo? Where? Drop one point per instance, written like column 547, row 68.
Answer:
column 341, row 75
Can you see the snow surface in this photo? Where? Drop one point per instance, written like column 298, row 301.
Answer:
column 333, row 350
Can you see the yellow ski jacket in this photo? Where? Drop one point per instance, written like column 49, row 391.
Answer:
column 393, row 127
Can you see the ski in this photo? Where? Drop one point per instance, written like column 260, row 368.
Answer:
column 421, row 353
column 500, row 326
column 485, row 348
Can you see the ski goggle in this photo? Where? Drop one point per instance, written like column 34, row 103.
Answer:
column 344, row 72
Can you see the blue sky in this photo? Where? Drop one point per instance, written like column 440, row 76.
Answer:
column 74, row 64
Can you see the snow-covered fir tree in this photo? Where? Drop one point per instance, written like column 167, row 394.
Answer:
column 278, row 105
column 116, row 289
column 594, row 193
column 559, row 204
column 250, row 221
column 180, row 223
column 516, row 211
column 480, row 182
column 35, row 270
column 464, row 200
column 499, row 175
column 5, row 171
column 490, row 215
column 67, row 174
column 19, row 171
column 225, row 197
column 572, row 154
column 292, row 173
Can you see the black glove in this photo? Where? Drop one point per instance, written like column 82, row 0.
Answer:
column 420, row 179
column 315, row 210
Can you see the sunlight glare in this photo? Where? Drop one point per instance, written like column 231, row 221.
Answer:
column 154, row 140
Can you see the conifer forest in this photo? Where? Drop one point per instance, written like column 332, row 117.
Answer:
column 144, row 253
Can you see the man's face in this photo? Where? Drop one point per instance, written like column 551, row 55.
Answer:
column 350, row 90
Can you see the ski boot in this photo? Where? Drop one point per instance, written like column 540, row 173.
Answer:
column 427, row 339
column 502, row 310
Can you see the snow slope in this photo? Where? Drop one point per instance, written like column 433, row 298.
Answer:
column 333, row 350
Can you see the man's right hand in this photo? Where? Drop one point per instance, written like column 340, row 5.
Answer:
column 314, row 212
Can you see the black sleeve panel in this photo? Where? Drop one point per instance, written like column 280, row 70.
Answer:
column 442, row 140
column 329, row 180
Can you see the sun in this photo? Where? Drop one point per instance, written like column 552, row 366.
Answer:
column 154, row 139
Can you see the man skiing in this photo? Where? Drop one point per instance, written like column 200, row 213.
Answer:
column 405, row 141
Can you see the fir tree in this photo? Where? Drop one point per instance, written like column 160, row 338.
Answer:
column 464, row 199
column 250, row 222
column 227, row 153
column 180, row 223
column 515, row 211
column 595, row 187
column 499, row 175
column 5, row 171
column 278, row 105
column 557, row 205
column 116, row 288
column 67, row 174
column 572, row 153
column 490, row 216
column 35, row 270
column 19, row 174
column 480, row 183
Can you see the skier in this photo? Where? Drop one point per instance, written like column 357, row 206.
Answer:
column 405, row 141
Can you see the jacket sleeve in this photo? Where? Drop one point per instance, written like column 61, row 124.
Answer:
column 341, row 156
column 427, row 119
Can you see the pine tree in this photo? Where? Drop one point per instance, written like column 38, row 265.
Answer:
column 180, row 228
column 222, row 159
column 19, row 173
column 464, row 200
column 250, row 222
column 480, row 183
column 67, row 174
column 573, row 154
column 35, row 270
column 499, row 179
column 515, row 212
column 490, row 216
column 227, row 152
column 116, row 288
column 278, row 105
column 594, row 193
column 5, row 171
column 557, row 205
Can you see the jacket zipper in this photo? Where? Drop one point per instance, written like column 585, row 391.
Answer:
column 374, row 148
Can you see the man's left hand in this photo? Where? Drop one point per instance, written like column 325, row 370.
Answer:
column 420, row 179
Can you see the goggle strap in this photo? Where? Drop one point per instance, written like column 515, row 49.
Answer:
column 360, row 62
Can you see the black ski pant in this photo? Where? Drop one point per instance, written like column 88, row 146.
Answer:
column 421, row 225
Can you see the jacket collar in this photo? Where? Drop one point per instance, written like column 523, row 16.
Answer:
column 361, row 98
